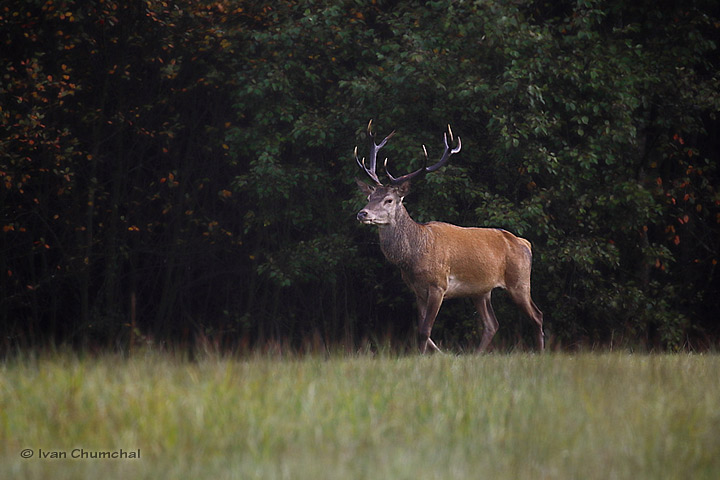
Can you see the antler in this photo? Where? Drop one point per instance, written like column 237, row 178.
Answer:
column 425, row 169
column 374, row 149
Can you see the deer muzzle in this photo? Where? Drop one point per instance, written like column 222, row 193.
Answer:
column 363, row 215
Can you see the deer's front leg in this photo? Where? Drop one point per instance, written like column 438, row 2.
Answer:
column 428, row 309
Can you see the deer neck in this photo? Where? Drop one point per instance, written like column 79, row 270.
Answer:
column 404, row 240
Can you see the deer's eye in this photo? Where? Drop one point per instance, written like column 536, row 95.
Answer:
column 388, row 201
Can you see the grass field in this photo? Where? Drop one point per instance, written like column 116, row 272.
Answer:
column 516, row 416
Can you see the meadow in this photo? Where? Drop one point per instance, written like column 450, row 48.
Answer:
column 499, row 416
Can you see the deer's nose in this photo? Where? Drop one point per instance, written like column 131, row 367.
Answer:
column 362, row 215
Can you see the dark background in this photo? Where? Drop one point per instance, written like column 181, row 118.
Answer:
column 182, row 172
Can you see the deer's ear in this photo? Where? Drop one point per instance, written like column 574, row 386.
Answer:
column 403, row 189
column 365, row 188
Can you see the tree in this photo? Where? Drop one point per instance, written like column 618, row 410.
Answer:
column 113, row 111
column 572, row 114
column 182, row 170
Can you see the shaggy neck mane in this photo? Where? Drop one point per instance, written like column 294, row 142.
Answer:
column 403, row 240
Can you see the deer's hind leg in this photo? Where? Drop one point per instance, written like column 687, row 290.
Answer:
column 487, row 320
column 521, row 296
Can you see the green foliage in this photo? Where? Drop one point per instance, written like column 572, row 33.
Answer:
column 168, row 170
column 568, row 115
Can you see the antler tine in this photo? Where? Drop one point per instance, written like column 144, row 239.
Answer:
column 393, row 180
column 370, row 172
column 374, row 149
column 360, row 163
column 447, row 152
column 425, row 169
column 409, row 176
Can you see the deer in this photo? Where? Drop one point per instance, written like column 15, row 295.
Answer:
column 441, row 261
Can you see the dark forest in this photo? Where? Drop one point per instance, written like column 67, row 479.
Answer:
column 175, row 172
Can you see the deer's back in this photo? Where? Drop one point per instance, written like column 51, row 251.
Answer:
column 476, row 260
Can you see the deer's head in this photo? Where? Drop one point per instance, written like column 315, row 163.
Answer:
column 385, row 201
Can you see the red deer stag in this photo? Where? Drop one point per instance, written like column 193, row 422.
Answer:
column 439, row 260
